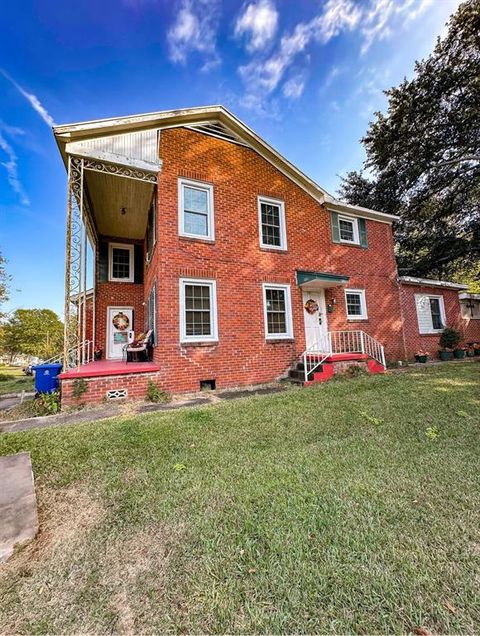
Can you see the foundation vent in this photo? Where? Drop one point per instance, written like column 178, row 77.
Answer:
column 117, row 394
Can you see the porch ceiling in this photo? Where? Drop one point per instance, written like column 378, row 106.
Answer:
column 310, row 281
column 110, row 194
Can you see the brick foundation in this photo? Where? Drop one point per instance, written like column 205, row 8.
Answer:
column 97, row 388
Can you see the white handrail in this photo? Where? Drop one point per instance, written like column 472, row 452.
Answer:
column 81, row 354
column 341, row 342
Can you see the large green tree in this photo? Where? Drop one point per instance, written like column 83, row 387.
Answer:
column 423, row 156
column 34, row 332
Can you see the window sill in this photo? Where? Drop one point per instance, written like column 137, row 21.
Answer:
column 430, row 333
column 345, row 244
column 196, row 239
column 358, row 319
column 199, row 343
column 280, row 340
column 281, row 250
column 120, row 280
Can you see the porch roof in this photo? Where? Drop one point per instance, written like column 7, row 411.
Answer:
column 320, row 279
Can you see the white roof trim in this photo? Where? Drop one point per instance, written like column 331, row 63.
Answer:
column 189, row 117
column 467, row 296
column 428, row 282
column 335, row 205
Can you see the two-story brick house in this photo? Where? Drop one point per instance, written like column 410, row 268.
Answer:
column 240, row 264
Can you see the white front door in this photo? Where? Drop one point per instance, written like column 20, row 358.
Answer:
column 315, row 317
column 119, row 330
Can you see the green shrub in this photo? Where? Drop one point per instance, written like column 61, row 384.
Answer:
column 156, row 394
column 80, row 387
column 450, row 338
column 47, row 403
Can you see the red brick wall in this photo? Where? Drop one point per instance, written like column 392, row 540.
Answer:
column 429, row 342
column 117, row 295
column 136, row 385
column 471, row 329
column 239, row 266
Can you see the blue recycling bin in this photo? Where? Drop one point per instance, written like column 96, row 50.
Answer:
column 46, row 377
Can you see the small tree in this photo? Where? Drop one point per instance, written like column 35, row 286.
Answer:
column 450, row 338
column 33, row 332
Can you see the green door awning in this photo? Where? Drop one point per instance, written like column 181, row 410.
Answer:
column 320, row 279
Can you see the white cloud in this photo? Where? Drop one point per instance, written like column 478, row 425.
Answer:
column 194, row 30
column 32, row 99
column 293, row 87
column 337, row 16
column 259, row 23
column 11, row 166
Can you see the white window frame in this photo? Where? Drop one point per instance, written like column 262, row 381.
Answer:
column 206, row 187
column 288, row 312
column 442, row 313
column 363, row 304
column 356, row 234
column 283, row 229
column 123, row 246
column 213, row 337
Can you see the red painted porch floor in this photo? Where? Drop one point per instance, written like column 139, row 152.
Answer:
column 100, row 368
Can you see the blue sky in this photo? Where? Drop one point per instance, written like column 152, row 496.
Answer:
column 307, row 75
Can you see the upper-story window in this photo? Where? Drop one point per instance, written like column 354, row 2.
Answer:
column 151, row 237
column 349, row 230
column 271, row 217
column 195, row 209
column 121, row 263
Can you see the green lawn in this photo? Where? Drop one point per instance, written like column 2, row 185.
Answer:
column 12, row 380
column 351, row 506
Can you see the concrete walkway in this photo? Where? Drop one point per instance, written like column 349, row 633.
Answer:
column 18, row 503
column 130, row 408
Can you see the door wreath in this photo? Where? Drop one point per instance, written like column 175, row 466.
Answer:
column 120, row 321
column 311, row 306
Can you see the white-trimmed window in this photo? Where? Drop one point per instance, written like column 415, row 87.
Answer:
column 271, row 219
column 430, row 313
column 195, row 209
column 198, row 310
column 356, row 304
column 277, row 308
column 121, row 263
column 348, row 229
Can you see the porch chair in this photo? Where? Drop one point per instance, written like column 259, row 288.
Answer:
column 139, row 348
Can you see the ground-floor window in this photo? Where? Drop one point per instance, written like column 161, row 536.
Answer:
column 151, row 317
column 277, row 311
column 198, row 310
column 356, row 304
column 430, row 313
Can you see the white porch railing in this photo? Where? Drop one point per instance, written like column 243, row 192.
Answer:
column 342, row 342
column 75, row 356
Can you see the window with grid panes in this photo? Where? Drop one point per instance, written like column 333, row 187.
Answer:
column 198, row 310
column 276, row 308
column 120, row 263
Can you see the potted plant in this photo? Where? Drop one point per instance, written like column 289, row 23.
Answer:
column 449, row 340
column 421, row 356
column 459, row 352
column 470, row 350
column 476, row 348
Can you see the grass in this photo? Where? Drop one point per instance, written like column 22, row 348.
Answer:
column 346, row 507
column 12, row 380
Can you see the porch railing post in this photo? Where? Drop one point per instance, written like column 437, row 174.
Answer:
column 362, row 343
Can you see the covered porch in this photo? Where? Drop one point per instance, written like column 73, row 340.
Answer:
column 111, row 199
